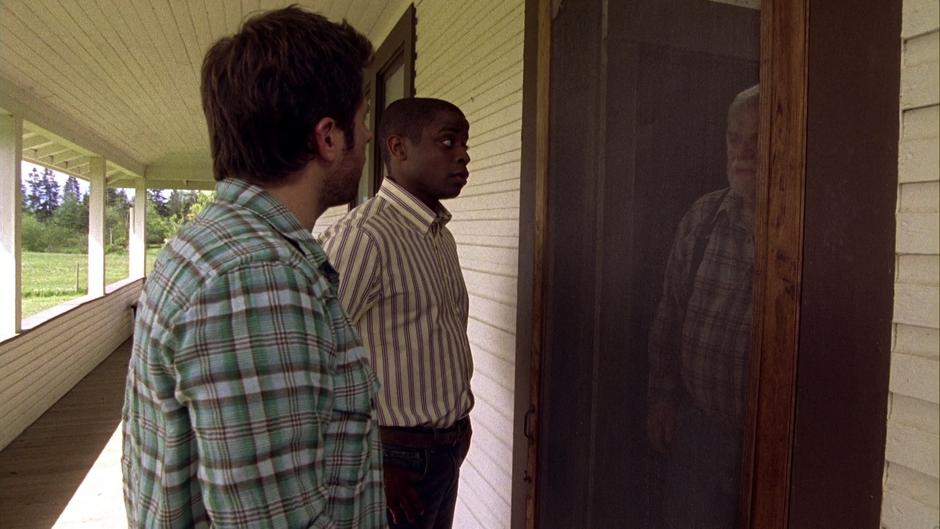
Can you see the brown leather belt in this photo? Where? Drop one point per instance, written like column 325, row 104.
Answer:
column 425, row 437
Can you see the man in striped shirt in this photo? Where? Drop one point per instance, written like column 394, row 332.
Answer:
column 249, row 399
column 700, row 342
column 401, row 283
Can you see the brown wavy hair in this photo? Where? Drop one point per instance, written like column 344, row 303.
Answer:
column 265, row 88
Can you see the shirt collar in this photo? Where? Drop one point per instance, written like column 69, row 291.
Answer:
column 254, row 198
column 730, row 208
column 415, row 211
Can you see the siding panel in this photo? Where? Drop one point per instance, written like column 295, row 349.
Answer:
column 917, row 233
column 916, row 486
column 471, row 54
column 921, row 197
column 919, row 83
column 911, row 452
column 899, row 511
column 918, row 341
column 918, row 17
column 918, row 269
column 42, row 364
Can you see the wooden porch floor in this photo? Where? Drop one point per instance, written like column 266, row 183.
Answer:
column 64, row 471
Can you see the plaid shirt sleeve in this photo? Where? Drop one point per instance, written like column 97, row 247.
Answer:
column 665, row 339
column 253, row 366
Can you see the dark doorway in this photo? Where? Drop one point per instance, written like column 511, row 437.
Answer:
column 630, row 128
column 644, row 111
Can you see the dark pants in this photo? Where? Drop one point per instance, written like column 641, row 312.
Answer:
column 437, row 473
column 702, row 474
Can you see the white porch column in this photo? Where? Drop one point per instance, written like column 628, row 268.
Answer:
column 137, row 238
column 96, row 231
column 11, row 142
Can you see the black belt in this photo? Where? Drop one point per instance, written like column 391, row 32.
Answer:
column 425, row 437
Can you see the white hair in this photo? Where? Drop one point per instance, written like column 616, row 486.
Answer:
column 746, row 98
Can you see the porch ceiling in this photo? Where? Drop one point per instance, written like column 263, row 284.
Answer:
column 120, row 78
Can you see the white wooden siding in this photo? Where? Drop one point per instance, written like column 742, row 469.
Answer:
column 41, row 365
column 912, row 451
column 470, row 53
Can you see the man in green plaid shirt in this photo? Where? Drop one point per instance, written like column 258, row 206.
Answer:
column 250, row 401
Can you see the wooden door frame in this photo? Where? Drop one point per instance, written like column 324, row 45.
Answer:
column 790, row 72
column 533, row 260
column 400, row 43
column 778, row 264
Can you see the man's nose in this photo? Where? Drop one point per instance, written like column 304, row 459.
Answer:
column 463, row 155
column 746, row 150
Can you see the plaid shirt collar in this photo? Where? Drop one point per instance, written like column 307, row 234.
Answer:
column 731, row 211
column 418, row 213
column 252, row 197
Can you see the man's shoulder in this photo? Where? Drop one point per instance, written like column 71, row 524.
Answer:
column 705, row 206
column 700, row 214
column 229, row 235
column 222, row 239
column 368, row 218
column 710, row 201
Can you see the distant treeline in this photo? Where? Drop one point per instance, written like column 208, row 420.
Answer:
column 56, row 220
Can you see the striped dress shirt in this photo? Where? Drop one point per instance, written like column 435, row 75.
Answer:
column 249, row 399
column 700, row 341
column 401, row 284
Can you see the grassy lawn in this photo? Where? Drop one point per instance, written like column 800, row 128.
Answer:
column 53, row 278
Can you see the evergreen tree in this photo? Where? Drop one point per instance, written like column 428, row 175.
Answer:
column 159, row 202
column 71, row 190
column 117, row 198
column 49, row 196
column 180, row 202
column 73, row 213
column 33, row 198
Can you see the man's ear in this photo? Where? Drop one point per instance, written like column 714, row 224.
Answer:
column 396, row 147
column 329, row 139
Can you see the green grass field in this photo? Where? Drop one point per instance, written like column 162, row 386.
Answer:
column 53, row 278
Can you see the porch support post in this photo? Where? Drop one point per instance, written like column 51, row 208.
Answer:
column 137, row 238
column 96, row 228
column 11, row 142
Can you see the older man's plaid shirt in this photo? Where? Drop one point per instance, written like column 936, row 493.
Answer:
column 700, row 341
column 249, row 399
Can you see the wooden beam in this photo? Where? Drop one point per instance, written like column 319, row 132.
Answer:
column 189, row 171
column 540, row 257
column 122, row 180
column 76, row 163
column 40, row 116
column 122, row 172
column 34, row 141
column 52, row 149
column 96, row 227
column 69, row 159
column 11, row 136
column 71, row 171
column 205, row 185
column 778, row 264
column 137, row 238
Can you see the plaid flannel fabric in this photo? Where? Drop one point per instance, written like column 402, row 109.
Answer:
column 700, row 341
column 249, row 400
